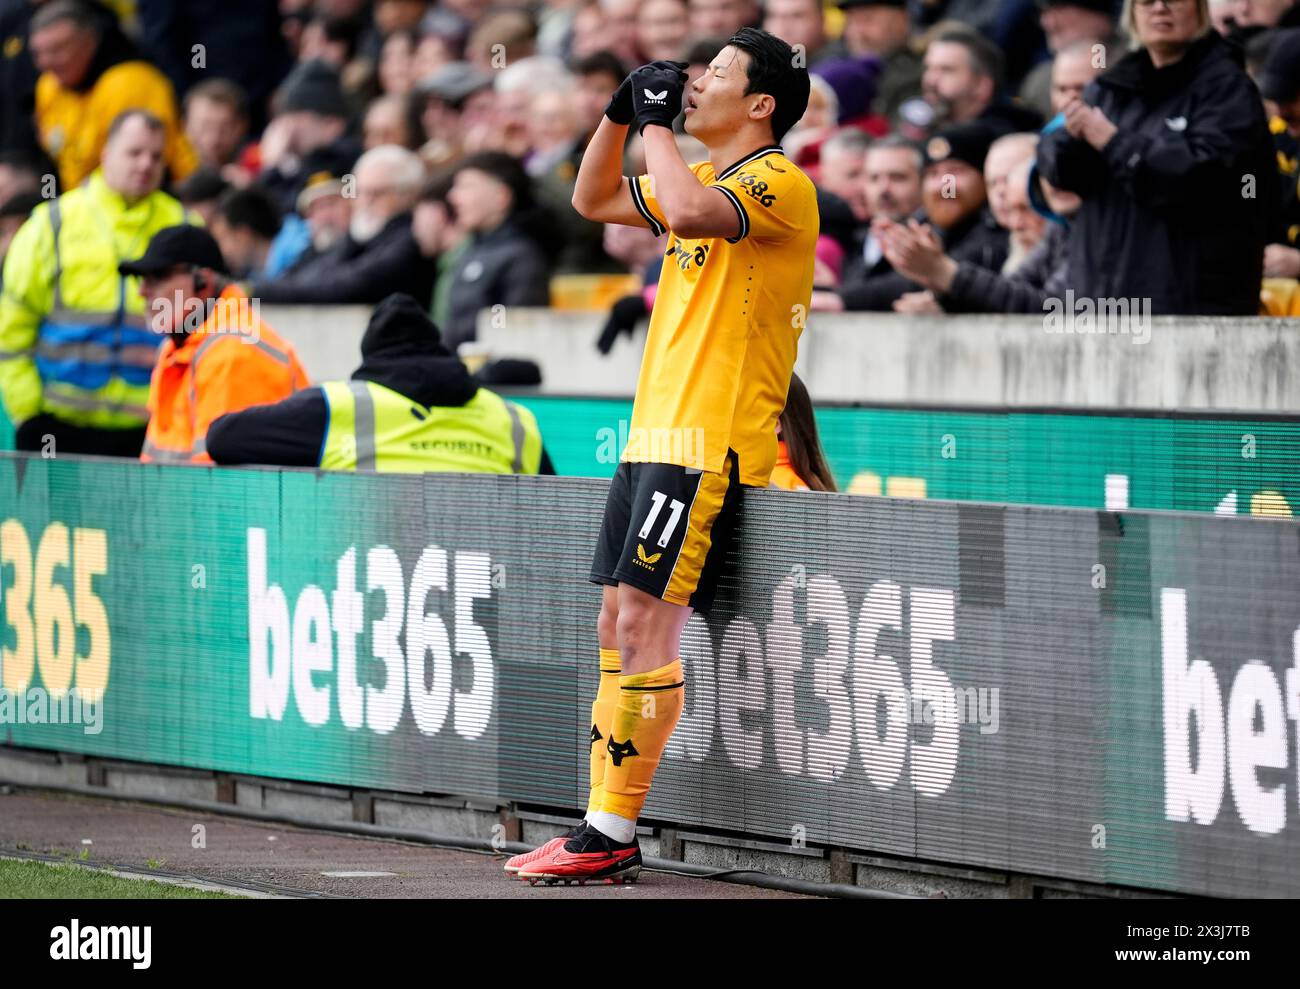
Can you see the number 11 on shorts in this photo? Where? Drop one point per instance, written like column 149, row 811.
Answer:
column 675, row 506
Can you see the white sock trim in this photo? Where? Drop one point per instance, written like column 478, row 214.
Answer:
column 619, row 828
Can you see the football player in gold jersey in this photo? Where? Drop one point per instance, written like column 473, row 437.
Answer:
column 738, row 271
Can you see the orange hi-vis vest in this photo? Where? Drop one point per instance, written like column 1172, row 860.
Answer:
column 783, row 472
column 230, row 363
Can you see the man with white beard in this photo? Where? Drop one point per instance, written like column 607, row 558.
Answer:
column 379, row 255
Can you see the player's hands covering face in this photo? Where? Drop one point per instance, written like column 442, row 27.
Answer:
column 657, row 93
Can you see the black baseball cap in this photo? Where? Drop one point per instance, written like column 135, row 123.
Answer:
column 1280, row 80
column 172, row 247
column 968, row 142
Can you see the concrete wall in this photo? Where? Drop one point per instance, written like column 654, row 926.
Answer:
column 1190, row 363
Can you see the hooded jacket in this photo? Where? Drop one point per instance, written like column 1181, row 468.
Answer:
column 402, row 349
column 1177, row 206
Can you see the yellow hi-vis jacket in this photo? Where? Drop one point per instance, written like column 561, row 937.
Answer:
column 74, row 336
column 371, row 427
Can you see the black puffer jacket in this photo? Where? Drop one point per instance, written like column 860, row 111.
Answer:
column 1176, row 207
column 352, row 273
column 402, row 350
column 1041, row 276
column 977, row 240
column 502, row 267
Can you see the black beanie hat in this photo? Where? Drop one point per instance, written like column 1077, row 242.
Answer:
column 313, row 87
column 400, row 324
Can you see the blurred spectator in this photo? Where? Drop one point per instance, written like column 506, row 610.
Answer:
column 721, row 18
column 391, row 120
column 1265, row 13
column 397, row 62
column 1158, row 148
column 17, row 78
column 255, row 240
column 502, row 38
column 188, row 41
column 458, row 98
column 206, row 366
column 14, row 211
column 441, row 38
column 640, row 251
column 605, row 25
column 410, row 407
column 597, row 77
column 960, row 286
column 77, row 350
column 892, row 184
column 558, row 136
column 803, row 140
column 962, row 81
column 854, row 82
column 1076, row 25
column 881, row 29
column 379, row 256
column 1072, row 69
column 441, row 239
column 979, row 14
column 393, row 16
column 23, row 171
column 327, row 211
column 332, row 40
column 308, row 133
column 502, row 264
column 1005, row 156
column 954, row 197
column 800, row 24
column 800, row 462
column 216, row 122
column 90, row 73
column 554, row 135
column 510, row 127
column 662, row 30
column 843, row 167
column 200, row 193
column 1279, row 82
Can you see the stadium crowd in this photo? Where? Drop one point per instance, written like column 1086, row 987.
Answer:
column 969, row 155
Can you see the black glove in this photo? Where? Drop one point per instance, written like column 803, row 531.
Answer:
column 623, row 318
column 620, row 109
column 657, row 93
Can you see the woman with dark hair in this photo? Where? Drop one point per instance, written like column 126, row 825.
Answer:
column 800, row 463
column 1166, row 148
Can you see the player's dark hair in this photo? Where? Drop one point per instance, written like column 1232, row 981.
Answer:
column 799, row 432
column 253, row 208
column 772, row 70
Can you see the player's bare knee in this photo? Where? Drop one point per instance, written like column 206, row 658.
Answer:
column 607, row 623
column 635, row 624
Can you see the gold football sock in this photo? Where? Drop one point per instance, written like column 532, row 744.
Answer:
column 649, row 706
column 602, row 716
